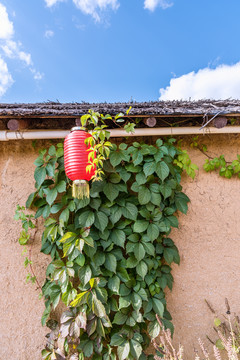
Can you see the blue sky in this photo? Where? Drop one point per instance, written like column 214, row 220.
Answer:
column 118, row 50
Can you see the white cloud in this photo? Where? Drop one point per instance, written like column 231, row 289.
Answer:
column 9, row 48
column 95, row 7
column 37, row 75
column 12, row 49
column 50, row 3
column 6, row 26
column 153, row 4
column 6, row 79
column 223, row 82
column 48, row 34
column 25, row 57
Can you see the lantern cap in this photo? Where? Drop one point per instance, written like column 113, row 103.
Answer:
column 78, row 128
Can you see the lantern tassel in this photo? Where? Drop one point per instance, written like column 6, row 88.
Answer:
column 80, row 189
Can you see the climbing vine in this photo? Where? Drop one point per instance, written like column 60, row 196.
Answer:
column 111, row 253
column 225, row 168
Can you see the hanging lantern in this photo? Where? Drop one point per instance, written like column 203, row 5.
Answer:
column 76, row 161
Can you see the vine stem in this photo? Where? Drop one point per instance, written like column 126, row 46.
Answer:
column 210, row 157
column 30, row 258
column 114, row 121
column 204, row 153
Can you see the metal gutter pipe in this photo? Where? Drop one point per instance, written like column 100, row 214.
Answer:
column 6, row 135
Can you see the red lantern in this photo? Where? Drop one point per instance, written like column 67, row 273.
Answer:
column 76, row 160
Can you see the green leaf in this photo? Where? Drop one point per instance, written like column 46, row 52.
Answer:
column 114, row 284
column 51, row 196
column 123, row 350
column 115, row 158
column 169, row 254
column 131, row 321
column 136, row 301
column 59, row 152
column 45, row 211
column 140, row 226
column 129, row 128
column 56, row 208
column 30, row 200
column 97, row 307
column 173, row 221
column 158, row 156
column 69, row 296
column 162, row 170
column 131, row 262
column 158, row 306
column 89, row 241
column 68, row 235
column 111, row 191
column 50, row 168
column 143, row 294
column 85, row 274
column 39, row 161
column 181, row 201
column 52, row 150
column 130, row 211
column 153, row 231
column 220, row 345
column 144, row 195
column 142, row 269
column 86, row 218
column 49, row 221
column 149, row 248
column 39, row 175
column 154, row 329
column 149, row 168
column 156, row 198
column 166, row 190
column 217, row 322
column 123, row 274
column 130, row 247
column 118, row 237
column 117, row 340
column 124, row 302
column 64, row 216
column 80, row 260
column 80, row 299
column 137, row 158
column 55, row 295
column 132, row 168
column 46, row 354
column 45, row 315
column 61, row 186
column 135, row 348
column 111, row 262
column 124, row 290
column 139, row 251
column 88, row 349
column 101, row 221
column 116, row 215
column 114, row 178
column 141, row 179
column 99, row 258
column 120, row 318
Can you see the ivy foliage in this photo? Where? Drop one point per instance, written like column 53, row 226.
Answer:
column 224, row 169
column 111, row 254
column 219, row 164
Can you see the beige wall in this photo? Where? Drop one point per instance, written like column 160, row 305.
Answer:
column 208, row 240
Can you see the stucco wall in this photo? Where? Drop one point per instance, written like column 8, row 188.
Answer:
column 208, row 240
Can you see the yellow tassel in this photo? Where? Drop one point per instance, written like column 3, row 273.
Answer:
column 80, row 189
